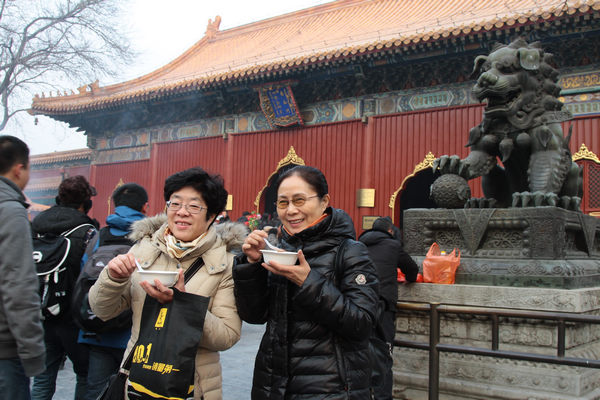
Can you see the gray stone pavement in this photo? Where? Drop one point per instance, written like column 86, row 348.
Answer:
column 237, row 364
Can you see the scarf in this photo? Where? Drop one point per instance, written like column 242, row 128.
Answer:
column 178, row 249
column 321, row 218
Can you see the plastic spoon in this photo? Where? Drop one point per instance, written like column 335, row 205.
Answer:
column 270, row 246
column 139, row 267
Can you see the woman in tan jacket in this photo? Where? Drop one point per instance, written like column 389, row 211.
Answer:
column 173, row 242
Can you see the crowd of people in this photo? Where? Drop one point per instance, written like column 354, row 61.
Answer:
column 329, row 318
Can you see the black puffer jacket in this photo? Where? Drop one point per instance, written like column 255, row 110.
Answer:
column 388, row 255
column 316, row 342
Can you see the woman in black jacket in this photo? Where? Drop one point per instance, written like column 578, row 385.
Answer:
column 319, row 316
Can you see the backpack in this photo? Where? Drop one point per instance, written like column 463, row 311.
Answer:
column 83, row 316
column 57, row 259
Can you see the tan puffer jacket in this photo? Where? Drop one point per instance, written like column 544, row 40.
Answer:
column 222, row 325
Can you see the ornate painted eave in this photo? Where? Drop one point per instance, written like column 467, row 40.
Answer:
column 61, row 156
column 326, row 35
column 43, row 184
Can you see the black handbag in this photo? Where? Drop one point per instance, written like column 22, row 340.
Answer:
column 163, row 362
column 115, row 389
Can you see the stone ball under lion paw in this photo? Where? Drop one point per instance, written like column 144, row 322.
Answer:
column 450, row 191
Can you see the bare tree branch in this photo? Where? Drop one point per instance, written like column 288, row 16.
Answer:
column 42, row 40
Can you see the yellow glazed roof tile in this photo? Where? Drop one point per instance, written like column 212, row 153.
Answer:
column 331, row 31
column 60, row 156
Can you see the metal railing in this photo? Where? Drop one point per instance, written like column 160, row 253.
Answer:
column 435, row 347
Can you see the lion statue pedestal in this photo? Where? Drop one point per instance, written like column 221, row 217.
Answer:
column 524, row 246
column 539, row 259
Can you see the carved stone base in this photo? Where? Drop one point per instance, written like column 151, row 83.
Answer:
column 477, row 377
column 523, row 247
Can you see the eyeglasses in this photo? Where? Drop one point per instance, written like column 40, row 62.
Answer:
column 191, row 208
column 297, row 202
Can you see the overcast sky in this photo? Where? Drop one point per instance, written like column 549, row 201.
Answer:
column 160, row 32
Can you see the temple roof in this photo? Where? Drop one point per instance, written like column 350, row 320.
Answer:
column 320, row 35
column 60, row 156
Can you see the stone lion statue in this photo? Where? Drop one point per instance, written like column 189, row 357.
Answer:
column 521, row 127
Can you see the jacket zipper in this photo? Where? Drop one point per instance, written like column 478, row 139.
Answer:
column 340, row 363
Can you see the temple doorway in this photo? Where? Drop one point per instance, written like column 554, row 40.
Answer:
column 265, row 200
column 416, row 193
column 414, row 190
column 270, row 193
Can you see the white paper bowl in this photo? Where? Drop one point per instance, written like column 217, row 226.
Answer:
column 282, row 257
column 167, row 278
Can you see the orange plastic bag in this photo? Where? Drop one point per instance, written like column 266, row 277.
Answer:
column 402, row 277
column 440, row 268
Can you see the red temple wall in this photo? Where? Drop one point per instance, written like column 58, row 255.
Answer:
column 334, row 148
column 379, row 154
column 106, row 177
column 168, row 158
column 403, row 140
column 586, row 129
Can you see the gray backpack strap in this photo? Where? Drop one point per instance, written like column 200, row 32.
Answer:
column 91, row 246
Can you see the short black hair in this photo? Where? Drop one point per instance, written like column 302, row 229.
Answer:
column 210, row 186
column 131, row 195
column 74, row 192
column 12, row 151
column 311, row 175
column 383, row 224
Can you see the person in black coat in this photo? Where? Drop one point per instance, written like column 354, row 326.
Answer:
column 319, row 316
column 388, row 255
column 73, row 202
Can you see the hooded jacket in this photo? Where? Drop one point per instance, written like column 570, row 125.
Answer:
column 316, row 341
column 21, row 332
column 120, row 222
column 118, row 226
column 59, row 219
column 222, row 326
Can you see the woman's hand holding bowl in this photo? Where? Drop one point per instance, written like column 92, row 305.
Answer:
column 162, row 293
column 294, row 273
column 253, row 244
column 122, row 266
